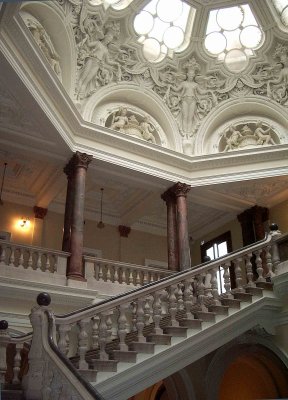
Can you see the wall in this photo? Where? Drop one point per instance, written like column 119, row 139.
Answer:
column 134, row 249
column 279, row 215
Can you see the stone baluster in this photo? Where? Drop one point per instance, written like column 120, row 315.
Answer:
column 63, row 342
column 108, row 273
column 21, row 259
column 17, row 364
column 47, row 263
column 131, row 277
column 133, row 315
column 109, row 324
column 122, row 327
column 103, row 337
column 275, row 233
column 180, row 301
column 55, row 266
column 152, row 277
column 259, row 266
column 123, row 276
column 214, row 287
column 227, row 280
column 138, row 279
column 95, row 331
column 201, row 292
column 157, row 312
column 140, row 320
column 238, row 274
column 173, row 305
column 147, row 310
column 12, row 257
column 4, row 340
column 208, row 285
column 83, row 343
column 145, row 278
column 269, row 264
column 188, row 299
column 116, row 274
column 249, row 270
column 30, row 261
column 3, row 254
column 39, row 261
column 100, row 273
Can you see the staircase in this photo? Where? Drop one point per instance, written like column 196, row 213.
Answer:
column 116, row 348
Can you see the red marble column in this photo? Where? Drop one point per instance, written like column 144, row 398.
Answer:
column 181, row 190
column 75, row 266
column 69, row 171
column 172, row 237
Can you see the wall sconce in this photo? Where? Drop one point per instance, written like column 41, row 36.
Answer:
column 24, row 222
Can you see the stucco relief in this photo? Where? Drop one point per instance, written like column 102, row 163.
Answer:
column 44, row 42
column 245, row 135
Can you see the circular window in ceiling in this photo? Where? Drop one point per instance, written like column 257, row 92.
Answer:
column 230, row 18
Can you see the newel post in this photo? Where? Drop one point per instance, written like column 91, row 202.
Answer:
column 4, row 340
column 275, row 233
column 33, row 382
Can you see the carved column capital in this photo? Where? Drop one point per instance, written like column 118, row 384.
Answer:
column 168, row 196
column 39, row 212
column 81, row 160
column 68, row 169
column 181, row 189
column 124, row 230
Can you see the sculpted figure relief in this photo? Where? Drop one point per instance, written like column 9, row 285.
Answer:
column 44, row 42
column 139, row 127
column 247, row 136
column 97, row 68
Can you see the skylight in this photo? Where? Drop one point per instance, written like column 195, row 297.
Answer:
column 164, row 30
column 116, row 4
column 232, row 34
column 282, row 9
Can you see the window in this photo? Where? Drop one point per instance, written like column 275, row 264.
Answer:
column 215, row 248
column 232, row 34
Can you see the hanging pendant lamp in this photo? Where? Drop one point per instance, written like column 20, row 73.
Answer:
column 100, row 224
column 2, row 183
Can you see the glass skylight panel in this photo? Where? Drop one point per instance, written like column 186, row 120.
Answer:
column 163, row 30
column 230, row 33
column 116, row 4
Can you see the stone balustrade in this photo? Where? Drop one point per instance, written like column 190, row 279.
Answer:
column 17, row 346
column 101, row 270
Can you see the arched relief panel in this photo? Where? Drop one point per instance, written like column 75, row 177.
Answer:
column 246, row 116
column 55, row 39
column 141, row 103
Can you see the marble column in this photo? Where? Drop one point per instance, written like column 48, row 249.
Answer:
column 181, row 190
column 39, row 215
column 172, row 237
column 69, row 171
column 75, row 265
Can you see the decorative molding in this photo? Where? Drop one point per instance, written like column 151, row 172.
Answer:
column 40, row 212
column 124, row 231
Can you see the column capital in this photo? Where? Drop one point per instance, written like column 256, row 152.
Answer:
column 39, row 212
column 180, row 189
column 124, row 230
column 81, row 160
column 68, row 169
column 168, row 196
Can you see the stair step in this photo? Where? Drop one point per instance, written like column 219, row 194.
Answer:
column 205, row 316
column 219, row 309
column 89, row 374
column 232, row 303
column 124, row 356
column 179, row 331
column 265, row 285
column 145, row 347
column 191, row 323
column 242, row 296
column 255, row 291
column 104, row 365
column 159, row 338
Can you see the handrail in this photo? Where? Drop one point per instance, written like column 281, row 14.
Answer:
column 89, row 311
column 37, row 248
column 91, row 390
column 21, row 338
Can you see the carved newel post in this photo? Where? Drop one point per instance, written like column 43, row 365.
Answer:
column 69, row 171
column 180, row 190
column 172, row 236
column 80, row 166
